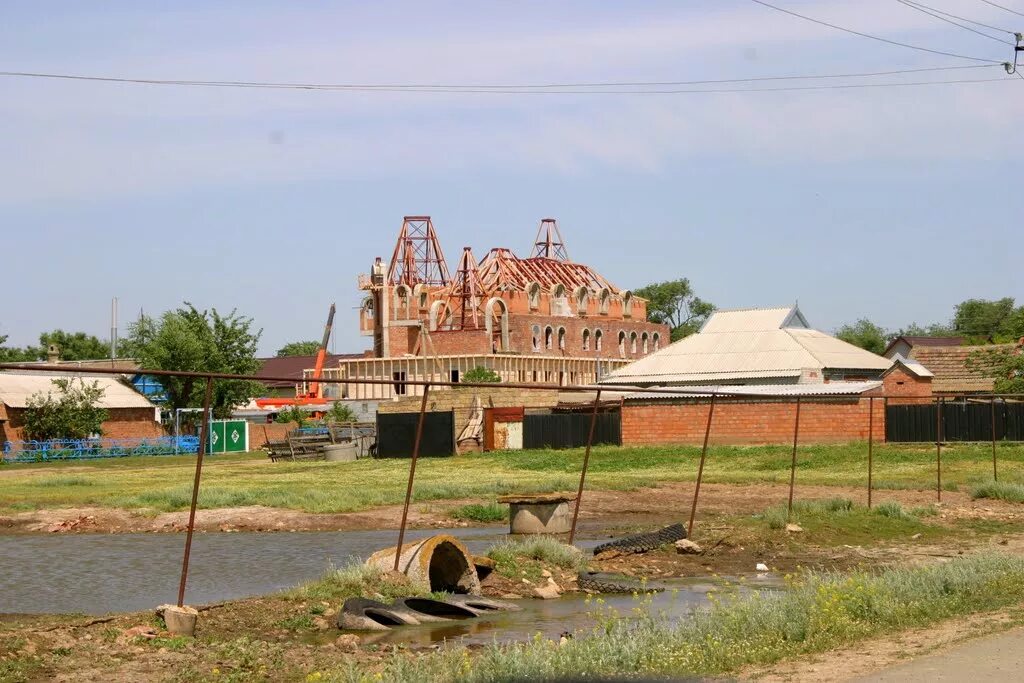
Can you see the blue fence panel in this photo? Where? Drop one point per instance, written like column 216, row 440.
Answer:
column 88, row 449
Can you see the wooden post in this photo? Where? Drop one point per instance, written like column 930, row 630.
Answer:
column 792, row 467
column 871, row 441
column 700, row 469
column 412, row 473
column 204, row 431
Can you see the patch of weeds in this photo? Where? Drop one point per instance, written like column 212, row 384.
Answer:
column 354, row 581
column 110, row 634
column 891, row 509
column 530, row 555
column 924, row 511
column 298, row 622
column 950, row 486
column 490, row 512
column 61, row 651
column 175, row 643
column 18, row 669
column 240, row 661
column 317, row 610
column 61, row 482
column 999, row 490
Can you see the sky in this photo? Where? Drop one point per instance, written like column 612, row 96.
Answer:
column 888, row 203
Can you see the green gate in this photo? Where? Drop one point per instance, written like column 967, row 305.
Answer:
column 228, row 436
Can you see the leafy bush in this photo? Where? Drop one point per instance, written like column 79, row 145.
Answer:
column 71, row 413
column 541, row 548
column 999, row 490
column 490, row 512
column 341, row 412
column 891, row 509
column 481, row 375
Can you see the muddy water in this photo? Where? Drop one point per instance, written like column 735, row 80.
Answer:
column 572, row 613
column 101, row 573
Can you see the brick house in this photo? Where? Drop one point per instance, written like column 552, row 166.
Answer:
column 130, row 414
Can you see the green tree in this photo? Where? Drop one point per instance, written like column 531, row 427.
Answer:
column 1005, row 365
column 188, row 339
column 73, row 345
column 675, row 304
column 299, row 348
column 341, row 412
column 865, row 334
column 72, row 413
column 481, row 375
column 13, row 354
column 933, row 330
column 982, row 320
column 294, row 414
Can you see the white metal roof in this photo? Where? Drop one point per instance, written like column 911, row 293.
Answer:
column 16, row 388
column 822, row 389
column 748, row 344
column 913, row 366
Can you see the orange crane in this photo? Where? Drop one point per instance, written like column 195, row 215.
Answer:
column 313, row 395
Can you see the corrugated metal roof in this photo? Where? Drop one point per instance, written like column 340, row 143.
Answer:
column 743, row 344
column 16, row 388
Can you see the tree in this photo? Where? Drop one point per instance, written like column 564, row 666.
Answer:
column 933, row 330
column 1005, row 365
column 864, row 334
column 71, row 414
column 675, row 304
column 299, row 348
column 481, row 375
column 13, row 354
column 191, row 340
column 73, row 345
column 340, row 412
column 982, row 320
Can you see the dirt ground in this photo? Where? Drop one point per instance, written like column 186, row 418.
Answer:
column 612, row 509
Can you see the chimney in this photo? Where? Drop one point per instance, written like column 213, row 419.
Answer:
column 52, row 353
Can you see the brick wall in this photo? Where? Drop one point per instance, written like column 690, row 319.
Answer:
column 899, row 382
column 260, row 433
column 123, row 423
column 521, row 335
column 749, row 422
column 455, row 342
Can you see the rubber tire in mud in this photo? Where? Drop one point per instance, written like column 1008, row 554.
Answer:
column 594, row 583
column 642, row 543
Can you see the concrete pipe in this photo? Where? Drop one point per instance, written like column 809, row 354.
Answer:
column 441, row 562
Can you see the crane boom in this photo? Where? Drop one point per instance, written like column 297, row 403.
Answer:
column 321, row 355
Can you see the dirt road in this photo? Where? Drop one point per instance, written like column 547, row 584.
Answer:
column 991, row 658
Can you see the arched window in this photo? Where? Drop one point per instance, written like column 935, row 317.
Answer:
column 533, row 295
column 657, row 341
column 402, row 295
column 548, row 337
column 561, row 339
column 632, row 343
column 627, row 304
column 368, row 307
column 536, row 338
column 604, row 301
column 622, row 344
column 559, row 301
column 586, row 340
column 643, row 343
column 598, row 338
column 496, row 324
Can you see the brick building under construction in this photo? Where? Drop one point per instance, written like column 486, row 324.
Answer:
column 539, row 319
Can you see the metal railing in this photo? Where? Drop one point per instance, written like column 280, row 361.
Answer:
column 94, row 449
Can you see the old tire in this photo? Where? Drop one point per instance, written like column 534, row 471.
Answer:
column 596, row 582
column 642, row 543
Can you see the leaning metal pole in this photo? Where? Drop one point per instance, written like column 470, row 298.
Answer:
column 204, row 431
column 995, row 472
column 938, row 449
column 700, row 468
column 792, row 467
column 871, row 441
column 412, row 473
column 586, row 463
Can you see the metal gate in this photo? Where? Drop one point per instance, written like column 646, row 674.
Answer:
column 960, row 422
column 570, row 430
column 396, row 434
column 228, row 436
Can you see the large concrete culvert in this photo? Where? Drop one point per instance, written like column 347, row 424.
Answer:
column 441, row 562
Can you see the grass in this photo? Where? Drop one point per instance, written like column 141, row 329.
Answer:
column 488, row 512
column 531, row 555
column 999, row 490
column 355, row 580
column 164, row 483
column 818, row 612
column 838, row 520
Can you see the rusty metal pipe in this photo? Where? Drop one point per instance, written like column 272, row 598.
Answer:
column 938, row 449
column 412, row 474
column 586, row 464
column 871, row 441
column 204, row 435
column 700, row 468
column 995, row 471
column 792, row 467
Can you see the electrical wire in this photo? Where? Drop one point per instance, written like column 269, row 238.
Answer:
column 1011, row 11
column 873, row 37
column 924, row 9
column 540, row 89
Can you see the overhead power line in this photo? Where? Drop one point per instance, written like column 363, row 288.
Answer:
column 932, row 12
column 873, row 37
column 954, row 16
column 637, row 87
column 1011, row 11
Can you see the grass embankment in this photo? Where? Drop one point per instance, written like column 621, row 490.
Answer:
column 164, row 483
column 838, row 520
column 818, row 611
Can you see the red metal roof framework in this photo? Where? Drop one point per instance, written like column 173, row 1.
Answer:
column 501, row 270
column 465, row 294
column 418, row 258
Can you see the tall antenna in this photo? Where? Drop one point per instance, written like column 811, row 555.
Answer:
column 113, row 328
column 549, row 242
column 418, row 258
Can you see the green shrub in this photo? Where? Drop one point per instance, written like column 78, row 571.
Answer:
column 491, row 512
column 999, row 490
column 890, row 509
column 540, row 548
